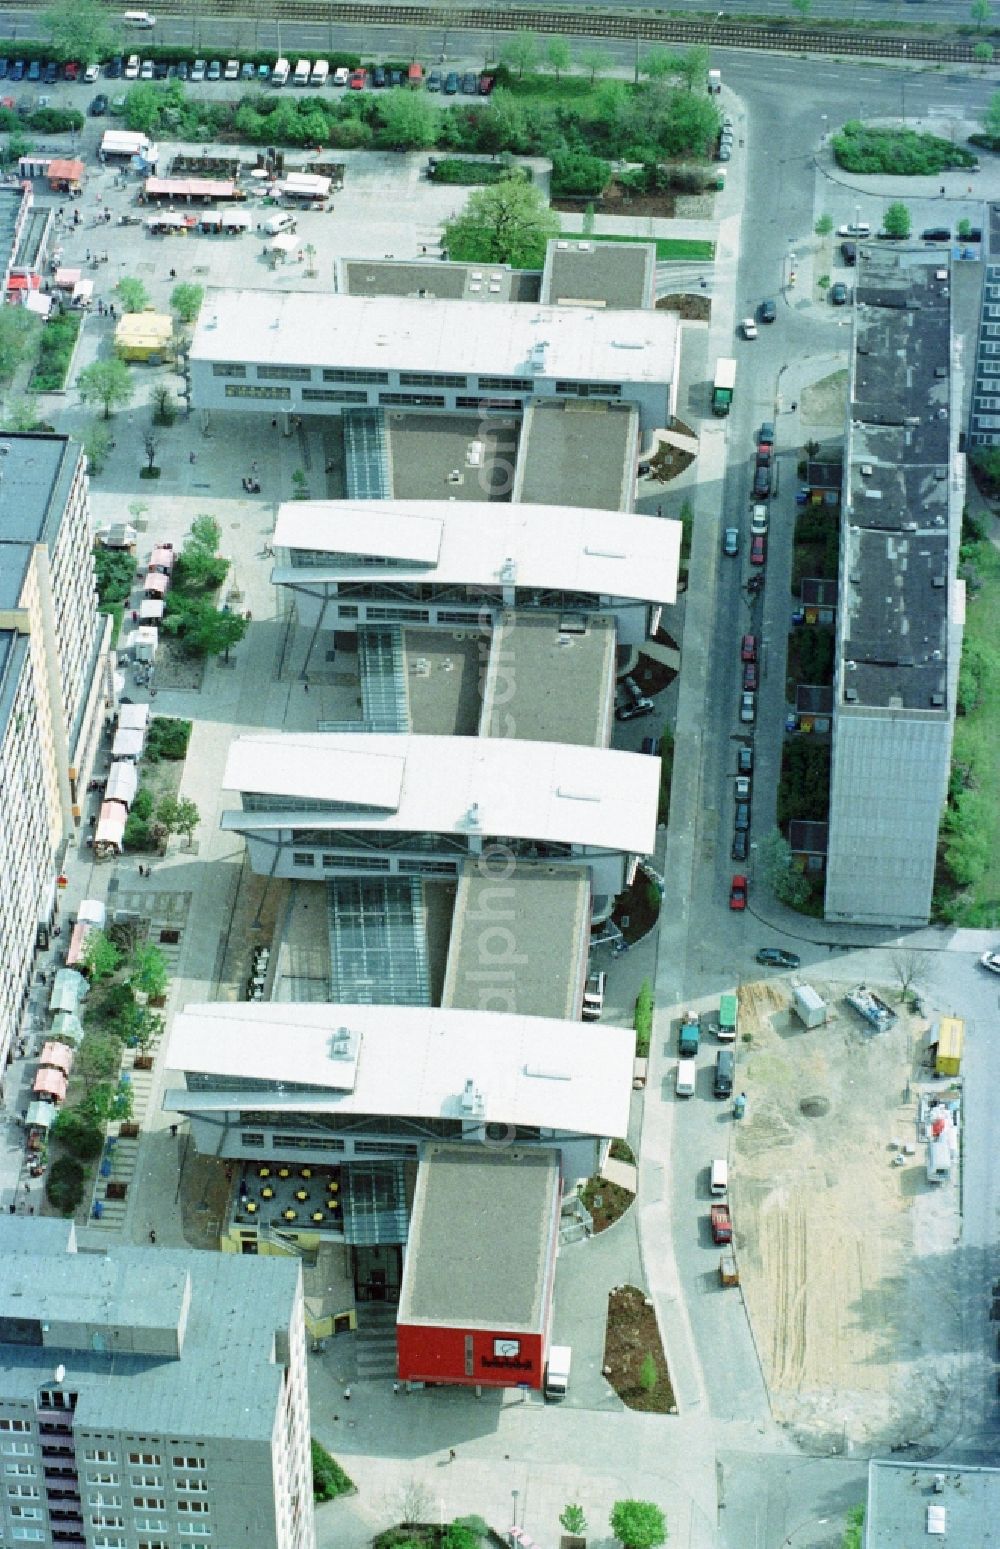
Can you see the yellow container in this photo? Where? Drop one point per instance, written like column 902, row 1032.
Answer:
column 950, row 1042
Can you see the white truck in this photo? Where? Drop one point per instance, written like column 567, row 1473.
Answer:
column 557, row 1369
column 714, row 82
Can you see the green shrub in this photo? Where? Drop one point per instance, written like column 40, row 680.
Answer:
column 329, row 1479
column 55, row 353
column 467, row 174
column 78, row 1133
column 643, row 1019
column 115, row 571
column 578, row 174
column 168, row 738
column 897, row 152
column 56, row 120
column 142, row 806
column 64, row 1185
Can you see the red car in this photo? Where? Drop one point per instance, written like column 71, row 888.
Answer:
column 758, row 548
column 748, row 648
column 738, row 892
column 750, row 677
column 72, row 71
column 358, row 80
column 486, row 84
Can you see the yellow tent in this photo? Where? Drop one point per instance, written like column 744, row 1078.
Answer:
column 145, row 336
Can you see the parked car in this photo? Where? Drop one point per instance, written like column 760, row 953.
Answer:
column 214, row 71
column 146, row 70
column 17, row 70
column 117, row 106
column 742, row 820
column 35, row 70
column 199, row 70
column 936, row 234
column 748, row 648
column 263, row 72
column 71, row 71
column 183, row 70
column 768, row 311
column 395, row 79
column 470, row 83
column 91, row 73
column 98, row 106
column 758, row 519
column 856, row 229
column 838, row 294
column 738, row 892
column 232, row 71
column 434, row 80
column 4, row 68
column 991, row 962
column 758, row 548
column 750, row 676
column 749, row 328
column 741, row 844
column 247, row 71
column 774, row 957
column 378, row 77
column 731, row 541
column 51, row 73
column 451, row 83
column 748, row 708
column 741, row 787
column 486, row 84
column 160, row 70
column 358, row 79
column 744, row 758
column 724, row 153
column 115, row 68
column 341, row 75
column 765, row 437
column 761, row 481
column 849, row 253
column 634, row 711
column 133, row 64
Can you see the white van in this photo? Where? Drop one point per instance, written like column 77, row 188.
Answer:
column 687, row 1075
column 719, row 1180
column 139, row 19
column 320, row 71
column 132, row 66
column 279, row 75
column 302, row 73
column 278, row 223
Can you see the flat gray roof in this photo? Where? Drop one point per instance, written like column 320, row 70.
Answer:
column 582, row 453
column 480, row 1234
column 445, row 281
column 443, row 687
column 35, row 477
column 913, row 1503
column 544, row 914
column 612, row 274
column 895, row 589
column 550, row 677
column 427, row 450
column 157, row 1339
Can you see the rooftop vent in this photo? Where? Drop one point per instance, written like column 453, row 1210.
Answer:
column 472, row 1099
column 937, row 580
column 59, row 1374
column 850, row 696
column 873, row 494
column 472, row 816
column 940, row 371
column 940, row 474
column 937, row 701
column 939, row 1484
column 867, row 470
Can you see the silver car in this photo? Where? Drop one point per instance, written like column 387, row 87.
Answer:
column 748, row 708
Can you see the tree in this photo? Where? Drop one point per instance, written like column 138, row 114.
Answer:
column 982, row 53
column 19, row 330
column 824, row 226
column 802, row 9
column 638, row 1524
column 205, row 532
column 779, row 871
column 82, row 31
column 186, row 301
column 979, row 10
column 991, row 118
column 692, row 67
column 149, row 971
column 596, row 60
column 100, row 957
column 178, row 815
column 96, row 445
column 214, row 633
column 458, row 1536
column 107, row 382
column 109, row 1102
column 966, row 830
column 520, row 52
column 647, row 1374
column 163, row 405
column 98, row 1059
column 906, row 964
column 658, row 64
column 64, row 1185
column 854, row 1529
column 150, row 447
column 410, row 120
column 557, row 55
column 573, row 1520
column 77, row 1131
column 22, row 414
column 897, row 219
column 507, row 223
column 132, row 293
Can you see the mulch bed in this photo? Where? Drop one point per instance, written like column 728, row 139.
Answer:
column 693, row 309
column 606, row 1202
column 174, row 669
column 631, row 1335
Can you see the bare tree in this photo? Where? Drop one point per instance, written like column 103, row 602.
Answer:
column 906, row 964
column 412, row 1502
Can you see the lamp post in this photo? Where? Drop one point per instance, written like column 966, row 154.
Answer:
column 513, row 1496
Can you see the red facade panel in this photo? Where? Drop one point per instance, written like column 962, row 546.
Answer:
column 469, row 1356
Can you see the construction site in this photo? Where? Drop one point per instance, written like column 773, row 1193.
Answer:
column 845, row 1245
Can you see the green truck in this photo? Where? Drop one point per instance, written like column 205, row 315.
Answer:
column 690, row 1036
column 723, row 387
column 729, row 1014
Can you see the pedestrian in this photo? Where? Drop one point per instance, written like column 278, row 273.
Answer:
column 305, row 684
column 152, row 1235
column 192, row 457
column 12, row 1208
column 942, row 188
column 274, row 417
column 253, row 468
column 659, row 510
column 87, row 256
column 451, row 1454
column 173, row 1131
column 347, row 1395
column 395, row 1388
column 249, row 616
column 173, row 274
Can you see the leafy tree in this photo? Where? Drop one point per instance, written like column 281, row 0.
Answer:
column 658, row 64
column 638, row 1524
column 458, row 1536
column 22, row 414
column 966, row 833
column 178, row 815
column 216, row 633
column 100, row 957
column 186, row 301
column 854, row 1530
column 557, row 55
column 692, row 67
column 17, row 145
column 64, row 1185
column 520, row 52
column 778, row 869
column 576, row 172
column 647, row 1374
column 78, row 1133
column 19, row 331
column 107, row 382
column 149, row 971
column 206, row 532
column 329, row 1479
column 688, row 124
column 150, row 446
column 573, row 1520
column 982, row 53
column 98, row 1059
column 163, row 405
column 82, row 31
column 97, row 445
column 132, row 293
column 897, row 219
column 596, row 60
column 507, row 223
column 410, row 120
column 107, row 1102
column 980, row 13
column 802, row 8
column 824, row 226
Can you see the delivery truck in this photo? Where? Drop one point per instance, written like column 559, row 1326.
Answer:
column 722, row 1226
column 689, row 1037
column 727, row 1026
column 557, row 1369
column 723, row 387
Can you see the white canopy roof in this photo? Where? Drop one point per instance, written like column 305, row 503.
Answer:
column 133, row 717
column 123, row 782
column 601, row 553
column 127, row 744
column 410, row 1060
column 491, row 786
